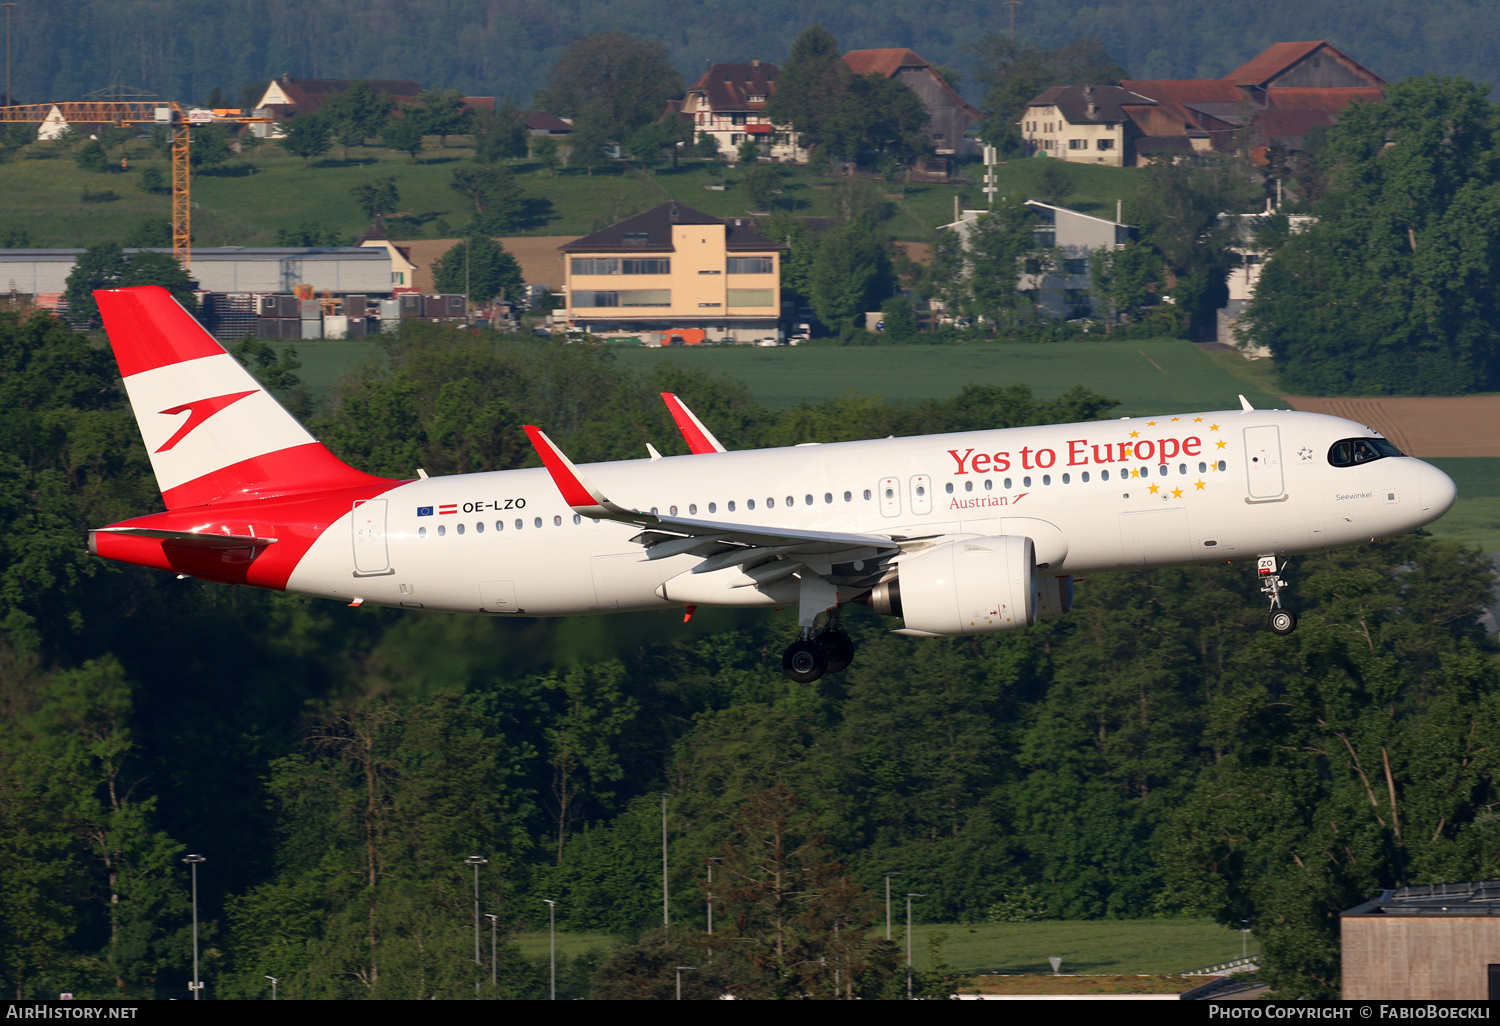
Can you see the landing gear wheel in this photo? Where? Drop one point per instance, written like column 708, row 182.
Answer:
column 838, row 649
column 1283, row 621
column 804, row 661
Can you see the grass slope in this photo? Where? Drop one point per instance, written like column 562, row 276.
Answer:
column 1097, row 947
column 248, row 201
column 1475, row 518
column 1146, row 377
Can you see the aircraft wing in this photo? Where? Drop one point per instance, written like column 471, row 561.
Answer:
column 719, row 544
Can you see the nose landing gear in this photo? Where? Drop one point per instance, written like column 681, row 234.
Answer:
column 1282, row 621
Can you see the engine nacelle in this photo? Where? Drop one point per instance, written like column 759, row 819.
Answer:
column 975, row 586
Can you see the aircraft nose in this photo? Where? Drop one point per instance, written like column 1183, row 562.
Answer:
column 1435, row 491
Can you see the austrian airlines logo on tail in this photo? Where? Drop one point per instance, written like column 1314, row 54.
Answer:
column 198, row 412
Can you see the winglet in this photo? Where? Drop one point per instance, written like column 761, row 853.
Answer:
column 699, row 439
column 1245, row 406
column 577, row 490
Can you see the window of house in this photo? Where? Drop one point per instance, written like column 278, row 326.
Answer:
column 636, row 238
column 750, row 297
column 596, row 265
column 737, row 119
column 1106, row 144
column 587, row 298
column 647, row 265
column 1076, row 266
column 1078, row 144
column 645, row 297
column 751, row 265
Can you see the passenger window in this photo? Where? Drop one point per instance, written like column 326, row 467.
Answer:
column 479, row 527
column 968, row 486
column 692, row 509
column 460, row 528
column 499, row 525
column 790, row 502
column 537, row 521
column 1104, row 475
column 1085, row 477
column 1007, row 484
column 520, row 524
column 1223, row 465
column 1203, row 468
column 1046, row 479
column 827, row 498
column 713, row 507
column 442, row 531
column 421, row 532
column 867, row 495
column 988, row 484
column 848, row 497
column 949, row 487
column 672, row 510
column 807, row 501
column 577, row 519
column 749, row 504
column 557, row 521
column 1066, row 478
column 1026, row 482
column 1182, row 468
column 770, row 503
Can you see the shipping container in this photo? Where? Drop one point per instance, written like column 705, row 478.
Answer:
column 356, row 305
column 335, row 326
column 291, row 328
column 311, row 329
column 390, row 309
column 411, row 305
column 309, row 309
column 359, row 327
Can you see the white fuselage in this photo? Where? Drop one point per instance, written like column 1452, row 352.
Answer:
column 1092, row 496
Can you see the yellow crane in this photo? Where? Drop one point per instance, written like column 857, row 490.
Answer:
column 145, row 112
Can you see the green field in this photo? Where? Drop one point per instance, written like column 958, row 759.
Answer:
column 1100, row 947
column 1146, row 377
column 1475, row 518
column 246, row 202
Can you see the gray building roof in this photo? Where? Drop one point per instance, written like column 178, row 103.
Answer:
column 652, row 232
column 1452, row 899
column 1073, row 102
column 358, row 269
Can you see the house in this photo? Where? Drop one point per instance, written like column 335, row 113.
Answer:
column 1085, row 124
column 1439, row 942
column 1273, row 99
column 1249, row 259
column 728, row 104
column 675, row 267
column 948, row 115
column 403, row 270
column 539, row 122
column 1066, row 290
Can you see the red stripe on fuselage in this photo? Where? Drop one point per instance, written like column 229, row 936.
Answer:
column 295, row 522
column 297, row 470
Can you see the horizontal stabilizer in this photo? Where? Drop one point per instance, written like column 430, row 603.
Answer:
column 193, row 538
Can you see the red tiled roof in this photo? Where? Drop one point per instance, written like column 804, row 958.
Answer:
column 882, row 62
column 308, row 94
column 730, row 86
column 484, row 103
column 1172, row 94
column 1292, row 122
column 1278, row 57
column 1320, row 99
column 541, row 121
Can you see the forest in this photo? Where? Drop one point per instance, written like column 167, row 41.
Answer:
column 1155, row 753
column 184, row 49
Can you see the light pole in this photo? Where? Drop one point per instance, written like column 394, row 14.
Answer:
column 552, row 933
column 711, row 860
column 1012, row 4
column 274, row 981
column 908, row 942
column 196, row 986
column 666, row 918
column 494, row 925
column 888, row 904
column 679, row 979
column 476, row 861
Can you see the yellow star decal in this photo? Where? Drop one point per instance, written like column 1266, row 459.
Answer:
column 1135, row 434
column 1221, row 443
column 1176, row 419
column 1154, row 489
column 1176, row 493
column 1125, row 450
column 1213, row 427
column 1199, row 486
column 1197, row 420
column 1151, row 423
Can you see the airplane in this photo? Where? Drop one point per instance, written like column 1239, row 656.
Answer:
column 956, row 534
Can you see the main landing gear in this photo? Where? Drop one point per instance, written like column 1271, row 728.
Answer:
column 815, row 653
column 1283, row 621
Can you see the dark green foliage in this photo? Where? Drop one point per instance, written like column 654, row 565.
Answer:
column 152, row 180
column 499, row 136
column 309, row 234
column 499, row 201
column 403, row 134
column 630, row 79
column 378, row 197
column 306, row 136
column 91, row 157
column 150, row 235
column 480, row 268
column 356, row 113
column 208, row 148
column 107, row 267
column 442, row 113
column 851, row 274
column 1055, row 183
column 1391, row 290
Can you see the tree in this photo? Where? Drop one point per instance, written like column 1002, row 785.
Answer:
column 209, row 148
column 811, row 87
column 501, row 135
column 378, row 197
column 630, row 79
column 480, row 268
column 499, row 201
column 442, row 113
column 91, row 157
column 1014, row 73
column 1386, row 293
column 763, row 183
column 356, row 113
column 403, row 134
column 1055, row 183
column 306, row 136
column 152, row 180
column 106, row 266
column 851, row 275
column 544, row 150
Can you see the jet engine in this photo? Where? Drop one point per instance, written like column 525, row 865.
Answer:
column 973, row 586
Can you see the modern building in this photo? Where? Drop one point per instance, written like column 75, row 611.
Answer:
column 728, row 104
column 1066, row 290
column 1249, row 260
column 949, row 116
column 274, row 269
column 1439, row 942
column 675, row 267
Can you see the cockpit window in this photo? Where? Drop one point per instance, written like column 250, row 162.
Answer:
column 1348, row 452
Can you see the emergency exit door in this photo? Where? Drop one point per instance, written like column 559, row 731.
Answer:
column 1263, row 462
